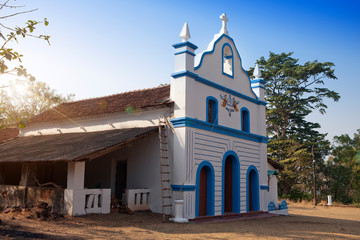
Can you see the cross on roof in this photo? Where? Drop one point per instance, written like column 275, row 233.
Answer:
column 224, row 20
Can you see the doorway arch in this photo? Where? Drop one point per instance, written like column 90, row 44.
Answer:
column 252, row 189
column 205, row 181
column 230, row 183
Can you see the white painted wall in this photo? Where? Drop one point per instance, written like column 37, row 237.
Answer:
column 99, row 123
column 273, row 188
column 206, row 146
column 144, row 169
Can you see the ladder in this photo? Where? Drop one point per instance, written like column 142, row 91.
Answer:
column 165, row 170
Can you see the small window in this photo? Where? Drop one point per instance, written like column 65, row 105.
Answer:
column 245, row 120
column 227, row 60
column 211, row 110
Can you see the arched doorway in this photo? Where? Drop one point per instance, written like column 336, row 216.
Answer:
column 231, row 183
column 252, row 189
column 205, row 189
column 228, row 185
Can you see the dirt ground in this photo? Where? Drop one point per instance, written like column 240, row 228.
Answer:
column 304, row 222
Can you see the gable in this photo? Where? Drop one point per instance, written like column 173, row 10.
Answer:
column 213, row 67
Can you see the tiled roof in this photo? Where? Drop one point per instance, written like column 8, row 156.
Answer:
column 7, row 134
column 122, row 102
column 67, row 146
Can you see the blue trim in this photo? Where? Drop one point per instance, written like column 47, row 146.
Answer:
column 260, row 80
column 215, row 110
column 210, row 209
column 245, row 116
column 259, row 86
column 254, row 189
column 183, row 44
column 211, row 52
column 186, row 51
column 217, row 86
column 198, row 124
column 227, row 57
column 235, row 182
column 183, row 188
column 264, row 187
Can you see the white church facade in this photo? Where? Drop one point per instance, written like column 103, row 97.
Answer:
column 201, row 140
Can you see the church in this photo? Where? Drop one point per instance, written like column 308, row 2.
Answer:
column 196, row 147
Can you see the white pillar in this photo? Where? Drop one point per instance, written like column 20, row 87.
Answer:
column 76, row 175
column 74, row 195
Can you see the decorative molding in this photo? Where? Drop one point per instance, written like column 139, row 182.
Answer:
column 198, row 124
column 261, row 81
column 187, row 51
column 183, row 44
column 217, row 86
column 183, row 188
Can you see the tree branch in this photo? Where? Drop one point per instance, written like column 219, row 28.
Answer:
column 18, row 13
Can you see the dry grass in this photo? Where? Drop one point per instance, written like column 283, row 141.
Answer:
column 304, row 222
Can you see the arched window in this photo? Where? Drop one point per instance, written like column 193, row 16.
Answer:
column 227, row 61
column 245, row 120
column 211, row 110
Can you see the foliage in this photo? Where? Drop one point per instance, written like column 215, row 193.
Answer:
column 344, row 168
column 293, row 91
column 34, row 98
column 10, row 34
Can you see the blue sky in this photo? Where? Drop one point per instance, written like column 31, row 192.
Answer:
column 106, row 47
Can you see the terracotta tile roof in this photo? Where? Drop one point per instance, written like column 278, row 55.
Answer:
column 127, row 101
column 67, row 146
column 7, row 134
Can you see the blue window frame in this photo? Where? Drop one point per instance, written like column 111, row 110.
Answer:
column 245, row 119
column 211, row 110
column 227, row 60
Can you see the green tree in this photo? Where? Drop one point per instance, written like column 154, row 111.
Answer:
column 345, row 167
column 293, row 91
column 35, row 97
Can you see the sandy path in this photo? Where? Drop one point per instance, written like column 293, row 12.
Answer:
column 304, row 222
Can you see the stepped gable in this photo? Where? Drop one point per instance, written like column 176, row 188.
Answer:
column 132, row 100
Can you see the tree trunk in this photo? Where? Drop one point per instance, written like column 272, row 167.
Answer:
column 349, row 186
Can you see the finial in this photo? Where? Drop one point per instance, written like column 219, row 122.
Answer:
column 185, row 33
column 257, row 72
column 224, row 20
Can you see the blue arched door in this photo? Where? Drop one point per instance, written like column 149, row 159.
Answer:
column 252, row 189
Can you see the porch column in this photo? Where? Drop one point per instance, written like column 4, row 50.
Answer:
column 76, row 175
column 28, row 174
column 74, row 195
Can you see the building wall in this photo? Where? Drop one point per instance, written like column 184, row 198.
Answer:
column 199, row 143
column 144, row 169
column 211, row 147
column 100, row 123
column 273, row 188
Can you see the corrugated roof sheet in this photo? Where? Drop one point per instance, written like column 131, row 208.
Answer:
column 133, row 100
column 65, row 147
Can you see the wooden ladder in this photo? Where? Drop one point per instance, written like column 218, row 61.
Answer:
column 165, row 170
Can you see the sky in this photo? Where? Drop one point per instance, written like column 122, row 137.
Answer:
column 106, row 47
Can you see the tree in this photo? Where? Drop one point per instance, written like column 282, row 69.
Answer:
column 10, row 34
column 345, row 166
column 35, row 97
column 293, row 91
